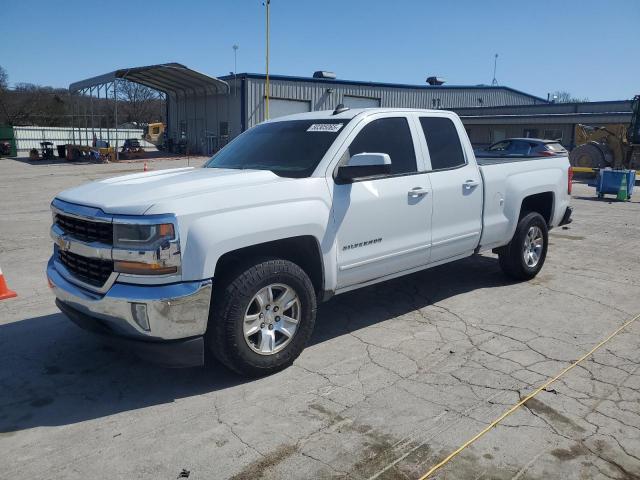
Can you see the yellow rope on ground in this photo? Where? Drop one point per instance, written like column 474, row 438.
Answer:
column 438, row 466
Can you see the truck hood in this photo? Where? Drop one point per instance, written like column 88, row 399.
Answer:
column 135, row 194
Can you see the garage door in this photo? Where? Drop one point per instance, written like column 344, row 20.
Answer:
column 279, row 107
column 360, row 102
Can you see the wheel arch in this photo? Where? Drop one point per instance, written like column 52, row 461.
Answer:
column 542, row 203
column 303, row 250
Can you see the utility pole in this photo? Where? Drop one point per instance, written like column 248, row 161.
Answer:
column 267, row 3
column 494, row 82
column 235, row 69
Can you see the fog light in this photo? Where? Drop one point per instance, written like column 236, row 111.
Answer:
column 139, row 312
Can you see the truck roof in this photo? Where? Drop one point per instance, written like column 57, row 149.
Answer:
column 350, row 113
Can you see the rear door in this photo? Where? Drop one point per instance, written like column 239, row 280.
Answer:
column 383, row 223
column 456, row 223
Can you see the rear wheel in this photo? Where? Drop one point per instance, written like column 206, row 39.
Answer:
column 262, row 317
column 525, row 254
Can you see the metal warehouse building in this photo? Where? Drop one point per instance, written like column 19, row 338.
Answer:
column 206, row 112
column 303, row 94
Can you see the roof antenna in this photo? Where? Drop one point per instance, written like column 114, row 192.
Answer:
column 339, row 109
column 494, row 82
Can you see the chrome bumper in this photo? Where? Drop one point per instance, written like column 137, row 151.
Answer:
column 174, row 311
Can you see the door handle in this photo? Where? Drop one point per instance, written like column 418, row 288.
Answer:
column 418, row 191
column 471, row 183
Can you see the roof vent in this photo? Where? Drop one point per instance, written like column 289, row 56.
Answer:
column 435, row 80
column 340, row 108
column 323, row 74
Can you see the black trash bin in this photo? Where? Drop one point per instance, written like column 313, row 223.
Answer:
column 62, row 151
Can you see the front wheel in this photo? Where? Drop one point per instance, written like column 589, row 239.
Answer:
column 262, row 317
column 525, row 254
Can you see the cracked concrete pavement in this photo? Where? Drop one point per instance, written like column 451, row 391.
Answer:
column 396, row 376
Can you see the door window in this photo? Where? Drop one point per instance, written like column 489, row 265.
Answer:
column 391, row 136
column 443, row 142
column 499, row 147
column 520, row 148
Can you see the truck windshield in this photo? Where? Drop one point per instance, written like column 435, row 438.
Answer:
column 290, row 148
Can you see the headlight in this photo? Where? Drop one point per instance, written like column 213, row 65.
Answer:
column 141, row 236
column 141, row 249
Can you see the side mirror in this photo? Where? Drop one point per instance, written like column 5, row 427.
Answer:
column 364, row 165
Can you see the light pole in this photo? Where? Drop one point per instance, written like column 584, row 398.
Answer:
column 267, row 3
column 235, row 69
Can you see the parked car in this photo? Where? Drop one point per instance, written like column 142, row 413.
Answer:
column 235, row 256
column 523, row 147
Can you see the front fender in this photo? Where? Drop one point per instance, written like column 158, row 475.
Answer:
column 211, row 236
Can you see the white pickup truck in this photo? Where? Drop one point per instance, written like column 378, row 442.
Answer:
column 233, row 257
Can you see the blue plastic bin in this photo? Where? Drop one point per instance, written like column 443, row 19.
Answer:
column 608, row 181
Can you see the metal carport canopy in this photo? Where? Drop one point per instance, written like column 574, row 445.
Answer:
column 169, row 78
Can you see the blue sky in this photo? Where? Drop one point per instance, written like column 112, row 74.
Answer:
column 586, row 47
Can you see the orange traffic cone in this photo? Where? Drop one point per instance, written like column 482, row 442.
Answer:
column 145, row 167
column 4, row 290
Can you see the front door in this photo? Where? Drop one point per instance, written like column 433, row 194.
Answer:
column 383, row 223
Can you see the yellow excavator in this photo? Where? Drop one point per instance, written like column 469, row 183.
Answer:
column 616, row 146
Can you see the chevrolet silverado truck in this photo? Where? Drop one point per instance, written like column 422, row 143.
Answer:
column 232, row 258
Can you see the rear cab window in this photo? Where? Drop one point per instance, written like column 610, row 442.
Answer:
column 443, row 142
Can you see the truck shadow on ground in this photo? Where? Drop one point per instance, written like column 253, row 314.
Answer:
column 56, row 374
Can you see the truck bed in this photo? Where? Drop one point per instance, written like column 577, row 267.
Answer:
column 506, row 180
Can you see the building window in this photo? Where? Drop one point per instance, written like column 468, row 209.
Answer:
column 530, row 133
column 224, row 129
column 498, row 134
column 553, row 134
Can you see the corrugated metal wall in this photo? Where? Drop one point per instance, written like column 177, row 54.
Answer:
column 30, row 137
column 200, row 117
column 317, row 93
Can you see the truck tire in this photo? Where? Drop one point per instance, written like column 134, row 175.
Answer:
column 523, row 257
column 261, row 317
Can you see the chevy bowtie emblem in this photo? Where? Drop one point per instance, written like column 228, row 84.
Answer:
column 63, row 243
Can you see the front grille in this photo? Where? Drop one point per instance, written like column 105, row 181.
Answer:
column 86, row 230
column 88, row 270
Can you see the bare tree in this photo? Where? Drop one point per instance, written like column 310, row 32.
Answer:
column 562, row 96
column 4, row 79
column 141, row 104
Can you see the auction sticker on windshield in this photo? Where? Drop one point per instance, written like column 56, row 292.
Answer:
column 325, row 127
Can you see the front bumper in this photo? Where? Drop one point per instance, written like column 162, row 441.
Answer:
column 175, row 313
